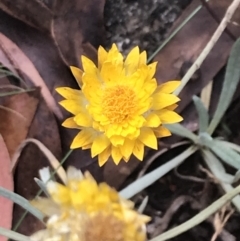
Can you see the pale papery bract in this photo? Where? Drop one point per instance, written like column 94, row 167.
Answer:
column 83, row 210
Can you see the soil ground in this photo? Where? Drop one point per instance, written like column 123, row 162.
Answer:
column 142, row 23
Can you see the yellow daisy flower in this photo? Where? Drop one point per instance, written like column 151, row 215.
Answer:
column 82, row 210
column 119, row 108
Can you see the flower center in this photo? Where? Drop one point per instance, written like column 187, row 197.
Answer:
column 119, row 103
column 104, row 228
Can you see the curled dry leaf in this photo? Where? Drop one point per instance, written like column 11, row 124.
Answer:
column 77, row 22
column 16, row 115
column 34, row 12
column 44, row 128
column 71, row 23
column 53, row 161
column 6, row 181
column 21, row 62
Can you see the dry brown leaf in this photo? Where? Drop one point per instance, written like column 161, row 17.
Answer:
column 6, row 181
column 35, row 12
column 74, row 25
column 21, row 62
column 41, row 50
column 16, row 115
column 184, row 49
column 45, row 129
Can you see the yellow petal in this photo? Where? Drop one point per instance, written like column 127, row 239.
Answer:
column 162, row 100
column 168, row 116
column 102, row 56
column 161, row 131
column 116, row 155
column 87, row 146
column 83, row 138
column 172, row 107
column 100, row 143
column 77, row 73
column 88, row 66
column 58, row 192
column 136, row 80
column 111, row 73
column 152, row 69
column 127, row 148
column 92, row 87
column 104, row 156
column 132, row 60
column 150, row 86
column 148, row 138
column 143, row 58
column 83, row 119
column 72, row 106
column 117, row 140
column 70, row 123
column 138, row 150
column 115, row 56
column 69, row 93
column 152, row 120
column 168, row 87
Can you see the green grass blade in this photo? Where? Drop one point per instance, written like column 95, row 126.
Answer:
column 13, row 235
column 203, row 116
column 231, row 81
column 24, row 203
column 207, row 212
column 180, row 130
column 153, row 176
column 190, row 16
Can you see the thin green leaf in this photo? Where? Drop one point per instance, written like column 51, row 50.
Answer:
column 203, row 116
column 180, row 130
column 231, row 81
column 225, row 153
column 24, row 203
column 235, row 201
column 153, row 176
column 143, row 205
column 13, row 235
column 190, row 16
column 233, row 146
column 216, row 167
column 197, row 219
column 236, row 177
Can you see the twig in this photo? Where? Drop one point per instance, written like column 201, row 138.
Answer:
column 188, row 178
column 230, row 11
column 216, row 18
column 200, row 217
